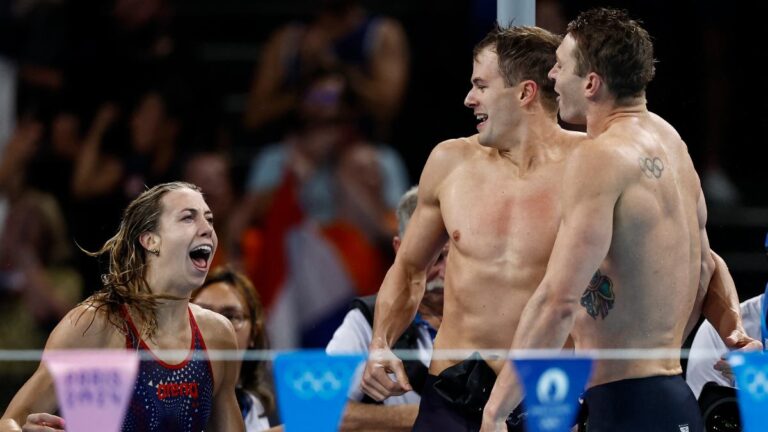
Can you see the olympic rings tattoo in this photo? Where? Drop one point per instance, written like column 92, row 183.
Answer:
column 651, row 167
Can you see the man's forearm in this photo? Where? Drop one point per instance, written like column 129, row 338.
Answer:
column 505, row 395
column 359, row 416
column 396, row 304
column 721, row 304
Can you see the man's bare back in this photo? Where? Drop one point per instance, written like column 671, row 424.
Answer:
column 654, row 259
column 501, row 225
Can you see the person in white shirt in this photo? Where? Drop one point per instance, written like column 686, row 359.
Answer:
column 354, row 335
column 707, row 350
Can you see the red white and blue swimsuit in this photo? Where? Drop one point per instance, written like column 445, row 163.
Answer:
column 173, row 398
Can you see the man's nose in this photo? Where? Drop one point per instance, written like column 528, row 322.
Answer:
column 469, row 100
column 552, row 73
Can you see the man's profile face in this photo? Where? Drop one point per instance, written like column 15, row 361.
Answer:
column 493, row 103
column 568, row 85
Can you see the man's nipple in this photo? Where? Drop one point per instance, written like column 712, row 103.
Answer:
column 456, row 235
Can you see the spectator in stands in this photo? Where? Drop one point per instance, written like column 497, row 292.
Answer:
column 372, row 50
column 293, row 196
column 326, row 124
column 153, row 128
column 119, row 158
column 231, row 294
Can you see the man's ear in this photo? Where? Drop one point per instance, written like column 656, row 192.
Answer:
column 594, row 84
column 528, row 91
column 396, row 243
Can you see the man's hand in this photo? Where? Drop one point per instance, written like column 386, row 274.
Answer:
column 40, row 422
column 736, row 341
column 739, row 341
column 376, row 381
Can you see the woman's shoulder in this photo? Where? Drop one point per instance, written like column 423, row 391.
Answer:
column 217, row 330
column 88, row 325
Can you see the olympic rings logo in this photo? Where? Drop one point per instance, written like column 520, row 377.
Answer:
column 757, row 383
column 320, row 381
column 651, row 167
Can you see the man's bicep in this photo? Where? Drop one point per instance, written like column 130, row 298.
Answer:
column 424, row 238
column 426, row 235
column 582, row 243
column 586, row 230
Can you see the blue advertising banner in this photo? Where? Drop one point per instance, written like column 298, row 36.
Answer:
column 312, row 388
column 751, row 371
column 552, row 388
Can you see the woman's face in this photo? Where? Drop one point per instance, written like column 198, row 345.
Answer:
column 186, row 238
column 224, row 299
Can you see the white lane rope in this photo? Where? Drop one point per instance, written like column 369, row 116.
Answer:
column 269, row 355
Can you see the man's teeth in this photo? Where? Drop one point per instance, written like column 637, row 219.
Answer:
column 481, row 117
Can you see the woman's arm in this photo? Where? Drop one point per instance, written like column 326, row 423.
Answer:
column 83, row 327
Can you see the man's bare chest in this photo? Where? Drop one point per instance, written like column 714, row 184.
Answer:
column 501, row 214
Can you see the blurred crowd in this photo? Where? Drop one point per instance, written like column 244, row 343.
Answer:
column 99, row 100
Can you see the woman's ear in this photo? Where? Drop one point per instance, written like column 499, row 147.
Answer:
column 149, row 241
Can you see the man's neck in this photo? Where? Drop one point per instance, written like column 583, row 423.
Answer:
column 533, row 142
column 601, row 116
